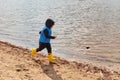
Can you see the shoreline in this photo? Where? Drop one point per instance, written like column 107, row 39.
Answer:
column 83, row 71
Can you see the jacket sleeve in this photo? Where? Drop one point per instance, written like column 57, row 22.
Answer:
column 47, row 34
column 40, row 32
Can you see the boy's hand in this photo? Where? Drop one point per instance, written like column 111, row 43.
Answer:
column 53, row 37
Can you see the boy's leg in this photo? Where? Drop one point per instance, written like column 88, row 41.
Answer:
column 41, row 47
column 49, row 49
column 34, row 50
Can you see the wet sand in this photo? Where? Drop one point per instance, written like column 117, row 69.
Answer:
column 16, row 64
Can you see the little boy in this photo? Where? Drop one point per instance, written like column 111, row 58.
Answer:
column 44, row 41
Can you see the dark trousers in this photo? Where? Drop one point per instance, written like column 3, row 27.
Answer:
column 43, row 46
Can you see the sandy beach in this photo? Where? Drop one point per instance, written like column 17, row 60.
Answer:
column 17, row 64
column 88, row 33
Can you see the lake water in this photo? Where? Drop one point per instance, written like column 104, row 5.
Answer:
column 79, row 24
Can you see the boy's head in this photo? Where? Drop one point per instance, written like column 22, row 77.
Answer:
column 49, row 23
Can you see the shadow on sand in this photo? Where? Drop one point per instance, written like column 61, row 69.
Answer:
column 49, row 70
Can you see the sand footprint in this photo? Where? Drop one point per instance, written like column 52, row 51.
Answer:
column 21, row 67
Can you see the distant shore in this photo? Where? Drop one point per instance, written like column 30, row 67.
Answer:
column 17, row 64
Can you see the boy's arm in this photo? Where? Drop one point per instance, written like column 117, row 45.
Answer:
column 47, row 35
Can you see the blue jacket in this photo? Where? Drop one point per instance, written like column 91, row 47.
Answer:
column 43, row 37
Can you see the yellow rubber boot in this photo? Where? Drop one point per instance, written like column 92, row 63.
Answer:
column 51, row 58
column 33, row 52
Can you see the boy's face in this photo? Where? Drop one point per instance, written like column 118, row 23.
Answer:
column 52, row 26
